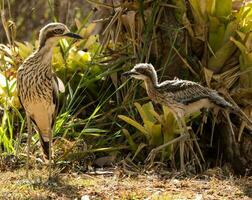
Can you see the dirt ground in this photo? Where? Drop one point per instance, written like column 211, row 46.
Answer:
column 114, row 184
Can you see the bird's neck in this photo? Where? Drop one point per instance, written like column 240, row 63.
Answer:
column 150, row 85
column 45, row 51
column 44, row 55
column 39, row 62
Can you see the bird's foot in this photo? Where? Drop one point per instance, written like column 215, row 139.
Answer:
column 29, row 181
column 52, row 181
column 25, row 181
column 150, row 158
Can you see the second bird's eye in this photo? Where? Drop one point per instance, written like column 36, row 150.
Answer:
column 58, row 31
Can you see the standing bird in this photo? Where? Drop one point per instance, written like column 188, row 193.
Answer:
column 182, row 97
column 38, row 87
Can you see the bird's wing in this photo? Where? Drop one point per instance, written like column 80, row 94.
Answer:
column 61, row 85
column 58, row 86
column 183, row 91
column 177, row 85
column 187, row 92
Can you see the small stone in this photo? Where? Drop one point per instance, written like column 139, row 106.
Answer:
column 85, row 197
column 199, row 197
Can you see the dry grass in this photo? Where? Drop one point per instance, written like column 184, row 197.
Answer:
column 114, row 184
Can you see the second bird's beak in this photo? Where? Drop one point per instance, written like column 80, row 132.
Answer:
column 73, row 35
column 129, row 73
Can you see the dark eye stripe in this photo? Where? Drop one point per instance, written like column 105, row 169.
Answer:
column 53, row 32
column 143, row 71
column 48, row 35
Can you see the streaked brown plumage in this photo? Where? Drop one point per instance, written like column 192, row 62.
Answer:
column 183, row 97
column 38, row 86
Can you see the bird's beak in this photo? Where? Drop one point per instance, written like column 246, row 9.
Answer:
column 73, row 35
column 129, row 73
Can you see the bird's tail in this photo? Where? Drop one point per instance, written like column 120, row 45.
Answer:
column 45, row 146
column 220, row 101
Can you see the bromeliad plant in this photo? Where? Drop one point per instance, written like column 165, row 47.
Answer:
column 10, row 114
column 8, row 98
column 157, row 129
column 216, row 30
column 210, row 28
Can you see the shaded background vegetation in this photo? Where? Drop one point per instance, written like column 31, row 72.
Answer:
column 105, row 119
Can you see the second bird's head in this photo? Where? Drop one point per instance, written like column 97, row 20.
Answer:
column 50, row 34
column 143, row 71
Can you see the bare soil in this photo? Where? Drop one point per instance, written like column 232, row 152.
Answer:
column 115, row 184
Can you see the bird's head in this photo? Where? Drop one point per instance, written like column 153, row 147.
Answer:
column 143, row 71
column 50, row 34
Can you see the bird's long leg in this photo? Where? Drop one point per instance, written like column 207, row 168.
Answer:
column 230, row 124
column 29, row 127
column 215, row 113
column 183, row 127
column 19, row 138
column 243, row 125
column 184, row 134
column 181, row 146
column 18, row 144
column 204, row 119
column 50, row 154
column 154, row 151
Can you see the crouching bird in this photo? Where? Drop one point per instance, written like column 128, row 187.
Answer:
column 182, row 97
column 38, row 87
